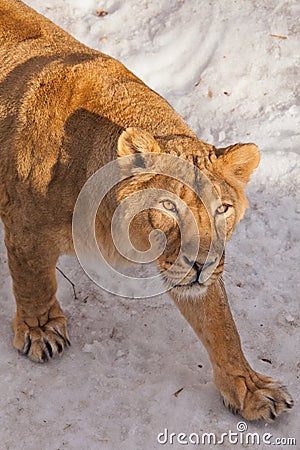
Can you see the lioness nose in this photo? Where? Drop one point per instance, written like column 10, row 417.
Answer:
column 197, row 265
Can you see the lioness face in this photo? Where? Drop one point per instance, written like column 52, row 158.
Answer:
column 195, row 220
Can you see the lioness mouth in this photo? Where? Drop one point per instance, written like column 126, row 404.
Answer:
column 193, row 283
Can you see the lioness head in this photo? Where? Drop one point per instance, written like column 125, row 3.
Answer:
column 196, row 218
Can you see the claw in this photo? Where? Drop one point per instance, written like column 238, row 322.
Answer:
column 27, row 345
column 44, row 356
column 49, row 348
column 64, row 338
column 273, row 402
column 231, row 408
column 272, row 415
column 59, row 347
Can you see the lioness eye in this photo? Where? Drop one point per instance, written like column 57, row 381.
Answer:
column 168, row 205
column 223, row 208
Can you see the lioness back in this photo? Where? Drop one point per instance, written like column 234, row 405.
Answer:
column 48, row 75
column 20, row 24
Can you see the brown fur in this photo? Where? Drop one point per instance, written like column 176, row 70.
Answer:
column 63, row 112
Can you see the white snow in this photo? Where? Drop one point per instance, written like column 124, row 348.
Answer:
column 220, row 67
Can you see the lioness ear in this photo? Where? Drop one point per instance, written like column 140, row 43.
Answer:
column 136, row 140
column 237, row 162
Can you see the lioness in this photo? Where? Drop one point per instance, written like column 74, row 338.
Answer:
column 66, row 111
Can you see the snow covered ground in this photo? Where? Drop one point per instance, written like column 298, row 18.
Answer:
column 232, row 70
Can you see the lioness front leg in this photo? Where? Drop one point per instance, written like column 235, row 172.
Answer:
column 244, row 391
column 39, row 324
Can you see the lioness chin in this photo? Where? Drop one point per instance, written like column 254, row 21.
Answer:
column 66, row 111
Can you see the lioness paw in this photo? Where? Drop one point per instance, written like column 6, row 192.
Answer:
column 41, row 343
column 264, row 398
column 267, row 403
